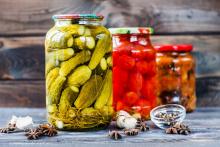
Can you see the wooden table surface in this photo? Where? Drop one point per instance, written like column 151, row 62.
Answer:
column 204, row 122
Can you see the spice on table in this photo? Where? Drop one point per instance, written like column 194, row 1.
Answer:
column 131, row 132
column 9, row 129
column 141, row 125
column 48, row 129
column 42, row 130
column 178, row 128
column 34, row 134
column 115, row 135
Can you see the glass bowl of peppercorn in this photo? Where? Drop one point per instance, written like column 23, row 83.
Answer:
column 165, row 116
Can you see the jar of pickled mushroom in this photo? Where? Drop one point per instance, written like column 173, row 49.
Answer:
column 134, row 71
column 78, row 70
column 176, row 75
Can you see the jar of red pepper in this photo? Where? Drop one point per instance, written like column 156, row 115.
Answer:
column 134, row 70
column 176, row 75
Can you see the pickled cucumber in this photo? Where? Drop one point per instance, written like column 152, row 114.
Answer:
column 87, row 32
column 84, row 42
column 66, row 100
column 55, row 89
column 105, row 92
column 107, row 111
column 79, row 76
column 109, row 61
column 89, row 112
column 99, row 30
column 73, row 29
column 61, row 55
column 52, row 108
column 88, row 93
column 69, row 65
column 103, row 64
column 99, row 51
column 52, row 75
column 110, row 100
column 60, row 40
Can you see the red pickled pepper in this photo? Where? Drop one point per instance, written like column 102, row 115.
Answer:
column 134, row 69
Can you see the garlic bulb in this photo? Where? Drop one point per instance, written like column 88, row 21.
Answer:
column 22, row 122
column 125, row 120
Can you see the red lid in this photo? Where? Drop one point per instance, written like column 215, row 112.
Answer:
column 176, row 48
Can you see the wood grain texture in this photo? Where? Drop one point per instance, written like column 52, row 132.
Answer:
column 204, row 123
column 23, row 57
column 22, row 94
column 165, row 16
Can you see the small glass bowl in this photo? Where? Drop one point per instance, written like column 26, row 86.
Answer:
column 168, row 109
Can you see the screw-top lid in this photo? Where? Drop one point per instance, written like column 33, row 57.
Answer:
column 79, row 16
column 131, row 30
column 176, row 48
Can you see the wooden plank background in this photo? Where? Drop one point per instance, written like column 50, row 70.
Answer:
column 24, row 23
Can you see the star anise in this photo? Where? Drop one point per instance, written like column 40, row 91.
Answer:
column 48, row 130
column 171, row 130
column 131, row 132
column 178, row 128
column 34, row 134
column 141, row 125
column 10, row 128
column 182, row 128
column 115, row 135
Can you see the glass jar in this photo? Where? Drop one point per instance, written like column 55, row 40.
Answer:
column 78, row 53
column 176, row 75
column 134, row 71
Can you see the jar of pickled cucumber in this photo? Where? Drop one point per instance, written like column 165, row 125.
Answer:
column 134, row 71
column 176, row 75
column 78, row 73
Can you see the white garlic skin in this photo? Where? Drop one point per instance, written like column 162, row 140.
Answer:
column 22, row 122
column 123, row 113
column 130, row 123
column 125, row 120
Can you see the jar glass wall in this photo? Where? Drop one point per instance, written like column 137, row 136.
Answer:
column 134, row 71
column 78, row 53
column 176, row 76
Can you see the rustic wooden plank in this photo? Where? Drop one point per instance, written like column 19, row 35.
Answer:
column 23, row 57
column 32, row 93
column 22, row 94
column 208, row 91
column 28, row 17
column 204, row 123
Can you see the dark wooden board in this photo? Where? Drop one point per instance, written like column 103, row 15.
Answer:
column 28, row 93
column 23, row 57
column 165, row 16
column 204, row 123
column 22, row 94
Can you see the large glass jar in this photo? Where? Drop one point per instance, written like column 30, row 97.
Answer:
column 78, row 73
column 176, row 75
column 134, row 71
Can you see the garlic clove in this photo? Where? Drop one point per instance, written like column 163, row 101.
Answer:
column 120, row 121
column 24, row 122
column 122, row 113
column 130, row 123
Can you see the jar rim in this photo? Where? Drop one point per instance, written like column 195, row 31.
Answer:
column 174, row 48
column 131, row 30
column 78, row 16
